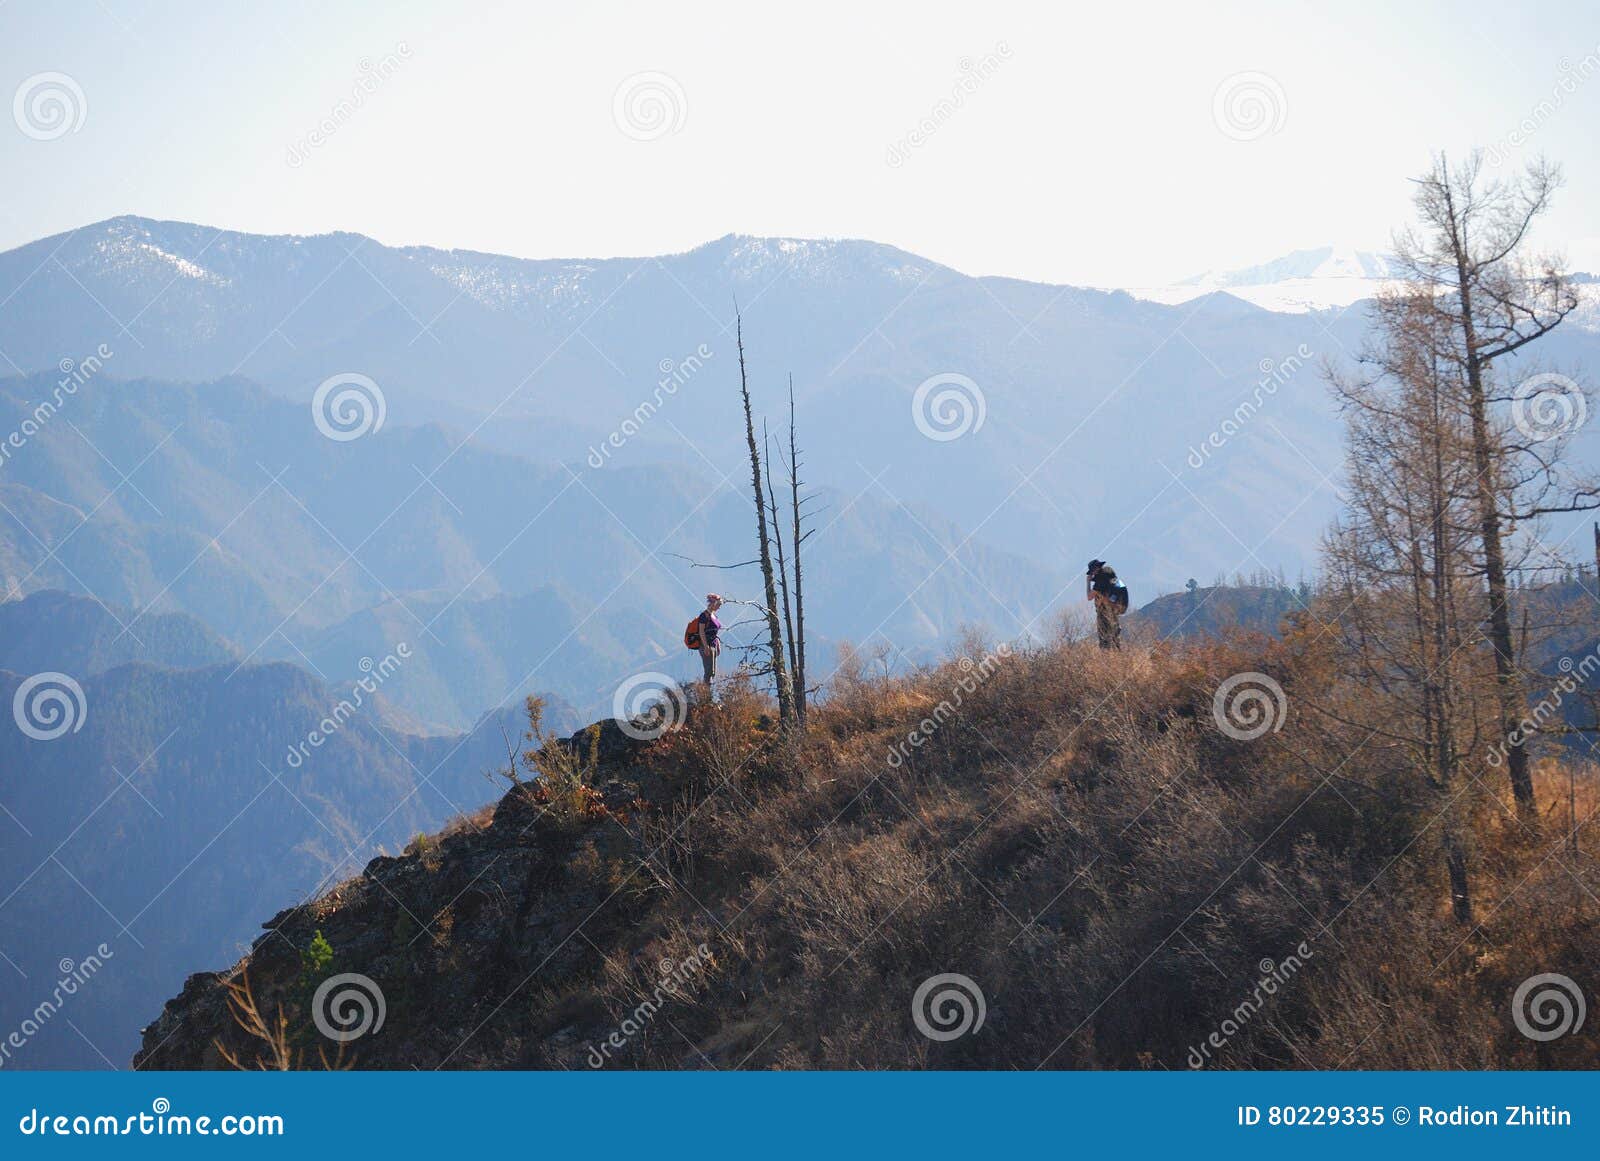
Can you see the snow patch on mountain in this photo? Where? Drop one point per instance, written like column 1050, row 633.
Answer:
column 511, row 283
column 1322, row 278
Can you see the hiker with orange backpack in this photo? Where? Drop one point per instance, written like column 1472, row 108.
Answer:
column 704, row 634
column 1110, row 597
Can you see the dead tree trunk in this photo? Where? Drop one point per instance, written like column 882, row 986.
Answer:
column 1508, row 680
column 780, row 670
column 797, row 540
column 783, row 565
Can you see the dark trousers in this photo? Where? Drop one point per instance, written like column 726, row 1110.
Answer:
column 1107, row 624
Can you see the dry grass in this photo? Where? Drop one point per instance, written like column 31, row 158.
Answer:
column 1078, row 837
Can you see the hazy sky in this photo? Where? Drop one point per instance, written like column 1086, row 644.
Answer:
column 1087, row 143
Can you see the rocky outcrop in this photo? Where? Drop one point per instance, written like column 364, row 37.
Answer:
column 422, row 951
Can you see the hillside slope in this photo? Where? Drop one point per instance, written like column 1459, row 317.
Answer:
column 156, row 811
column 1053, row 858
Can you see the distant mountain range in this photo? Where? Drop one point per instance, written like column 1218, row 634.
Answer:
column 1181, row 440
column 1091, row 400
column 505, row 574
column 239, row 473
column 1331, row 278
column 174, row 804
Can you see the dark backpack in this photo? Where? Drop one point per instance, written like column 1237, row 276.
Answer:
column 1119, row 596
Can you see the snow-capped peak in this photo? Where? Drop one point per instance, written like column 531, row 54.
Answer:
column 1322, row 278
column 1322, row 262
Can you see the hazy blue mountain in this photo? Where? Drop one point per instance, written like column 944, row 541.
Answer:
column 174, row 815
column 1093, row 400
column 71, row 633
column 503, row 574
column 1213, row 610
column 1097, row 405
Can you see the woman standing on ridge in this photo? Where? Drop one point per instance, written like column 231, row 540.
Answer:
column 710, row 643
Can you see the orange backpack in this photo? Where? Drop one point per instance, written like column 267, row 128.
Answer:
column 691, row 635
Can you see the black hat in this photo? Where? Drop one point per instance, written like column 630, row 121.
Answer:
column 1095, row 564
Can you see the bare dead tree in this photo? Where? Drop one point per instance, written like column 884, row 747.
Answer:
column 780, row 672
column 274, row 1051
column 798, row 537
column 783, row 568
column 1488, row 299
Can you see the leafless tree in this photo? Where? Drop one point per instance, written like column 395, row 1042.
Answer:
column 1478, row 296
column 1403, row 569
column 798, row 537
column 780, row 671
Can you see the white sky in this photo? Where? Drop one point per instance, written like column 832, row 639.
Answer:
column 1090, row 155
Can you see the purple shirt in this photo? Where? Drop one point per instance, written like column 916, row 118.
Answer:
column 710, row 627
